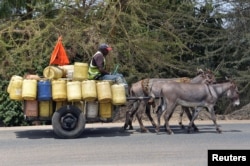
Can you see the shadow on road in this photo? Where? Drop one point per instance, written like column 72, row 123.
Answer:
column 35, row 134
column 118, row 131
column 178, row 130
column 88, row 132
column 104, row 132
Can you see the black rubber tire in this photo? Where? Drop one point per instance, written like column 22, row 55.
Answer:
column 68, row 122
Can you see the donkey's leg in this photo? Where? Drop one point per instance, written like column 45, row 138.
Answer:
column 157, row 128
column 160, row 109
column 187, row 111
column 128, row 122
column 130, row 114
column 135, row 110
column 143, row 128
column 167, row 115
column 159, row 113
column 141, row 110
column 180, row 117
column 149, row 115
column 213, row 117
column 194, row 116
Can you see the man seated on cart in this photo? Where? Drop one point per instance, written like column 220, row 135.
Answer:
column 97, row 70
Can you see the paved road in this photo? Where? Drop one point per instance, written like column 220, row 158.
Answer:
column 105, row 144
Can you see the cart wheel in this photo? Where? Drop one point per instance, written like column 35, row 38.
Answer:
column 68, row 122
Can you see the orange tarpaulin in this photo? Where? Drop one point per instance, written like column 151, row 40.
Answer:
column 59, row 56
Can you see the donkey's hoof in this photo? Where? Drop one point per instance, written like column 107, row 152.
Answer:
column 182, row 126
column 144, row 130
column 218, row 130
column 170, row 132
column 125, row 126
column 157, row 130
column 196, row 130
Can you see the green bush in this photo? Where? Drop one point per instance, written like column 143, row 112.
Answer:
column 11, row 113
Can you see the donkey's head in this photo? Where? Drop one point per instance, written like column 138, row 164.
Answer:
column 233, row 94
column 209, row 76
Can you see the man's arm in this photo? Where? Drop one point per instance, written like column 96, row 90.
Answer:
column 99, row 60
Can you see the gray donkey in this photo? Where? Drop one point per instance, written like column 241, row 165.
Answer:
column 144, row 88
column 195, row 95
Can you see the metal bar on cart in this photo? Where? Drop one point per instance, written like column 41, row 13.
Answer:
column 140, row 98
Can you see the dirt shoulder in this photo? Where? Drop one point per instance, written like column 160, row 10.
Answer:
column 241, row 114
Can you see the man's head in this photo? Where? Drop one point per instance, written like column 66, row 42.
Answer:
column 104, row 48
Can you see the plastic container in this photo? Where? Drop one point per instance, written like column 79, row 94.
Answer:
column 89, row 92
column 52, row 72
column 74, row 92
column 59, row 90
column 13, row 78
column 44, row 91
column 104, row 92
column 68, row 71
column 31, row 108
column 45, row 109
column 32, row 77
column 92, row 109
column 118, row 94
column 15, row 89
column 105, row 110
column 29, row 89
column 80, row 71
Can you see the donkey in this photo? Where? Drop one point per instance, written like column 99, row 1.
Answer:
column 145, row 88
column 195, row 95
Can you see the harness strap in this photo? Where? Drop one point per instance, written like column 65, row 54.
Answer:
column 145, row 86
column 209, row 89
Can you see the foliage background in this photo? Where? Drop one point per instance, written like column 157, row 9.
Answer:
column 150, row 38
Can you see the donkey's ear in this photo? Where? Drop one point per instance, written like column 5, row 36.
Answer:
column 228, row 78
column 199, row 71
